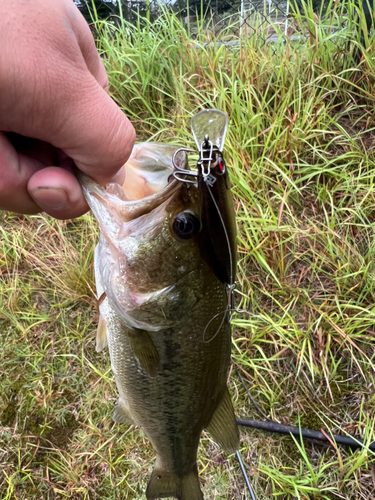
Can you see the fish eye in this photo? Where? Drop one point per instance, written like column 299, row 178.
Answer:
column 186, row 225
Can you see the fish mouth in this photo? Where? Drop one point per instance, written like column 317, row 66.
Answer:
column 148, row 183
column 129, row 216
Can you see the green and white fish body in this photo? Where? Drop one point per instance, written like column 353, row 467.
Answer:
column 164, row 316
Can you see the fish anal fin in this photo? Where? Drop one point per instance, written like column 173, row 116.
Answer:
column 121, row 414
column 165, row 484
column 145, row 351
column 101, row 335
column 223, row 427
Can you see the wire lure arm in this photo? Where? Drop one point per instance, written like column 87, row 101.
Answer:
column 181, row 174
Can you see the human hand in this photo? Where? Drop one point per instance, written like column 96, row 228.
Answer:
column 55, row 111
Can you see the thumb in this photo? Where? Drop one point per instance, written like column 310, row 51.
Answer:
column 96, row 134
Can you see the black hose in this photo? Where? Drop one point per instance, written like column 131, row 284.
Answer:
column 305, row 433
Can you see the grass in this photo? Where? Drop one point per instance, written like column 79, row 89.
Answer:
column 300, row 148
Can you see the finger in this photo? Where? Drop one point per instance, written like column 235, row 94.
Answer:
column 41, row 151
column 16, row 169
column 28, row 186
column 95, row 134
column 103, row 137
column 89, row 51
column 57, row 192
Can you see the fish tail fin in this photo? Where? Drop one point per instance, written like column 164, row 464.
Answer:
column 165, row 484
column 190, row 487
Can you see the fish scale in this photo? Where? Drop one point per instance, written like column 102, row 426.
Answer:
column 173, row 412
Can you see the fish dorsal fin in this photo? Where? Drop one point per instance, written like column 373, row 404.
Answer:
column 101, row 335
column 223, row 427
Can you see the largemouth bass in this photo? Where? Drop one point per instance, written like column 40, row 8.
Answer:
column 164, row 314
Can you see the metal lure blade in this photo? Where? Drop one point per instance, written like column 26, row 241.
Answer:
column 211, row 122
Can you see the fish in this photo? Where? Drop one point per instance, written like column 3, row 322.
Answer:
column 164, row 313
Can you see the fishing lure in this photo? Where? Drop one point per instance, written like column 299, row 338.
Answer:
column 209, row 128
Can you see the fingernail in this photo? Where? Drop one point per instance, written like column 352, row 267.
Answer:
column 50, row 197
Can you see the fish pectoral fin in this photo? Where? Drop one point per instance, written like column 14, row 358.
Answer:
column 101, row 335
column 165, row 484
column 223, row 427
column 145, row 351
column 121, row 414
